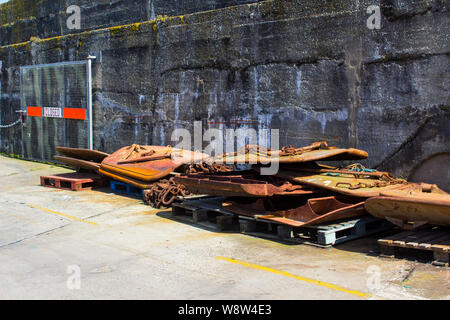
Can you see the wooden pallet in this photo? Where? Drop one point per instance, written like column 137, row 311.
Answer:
column 125, row 188
column 74, row 181
column 210, row 213
column 206, row 212
column 267, row 229
column 435, row 239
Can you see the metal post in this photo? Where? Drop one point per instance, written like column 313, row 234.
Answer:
column 41, row 103
column 22, row 108
column 64, row 122
column 89, row 81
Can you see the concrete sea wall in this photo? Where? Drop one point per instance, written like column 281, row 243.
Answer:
column 311, row 68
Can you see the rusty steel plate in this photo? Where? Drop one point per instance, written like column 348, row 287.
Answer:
column 423, row 189
column 78, row 163
column 148, row 163
column 134, row 182
column 83, row 154
column 344, row 183
column 403, row 207
column 317, row 151
column 315, row 211
column 241, row 184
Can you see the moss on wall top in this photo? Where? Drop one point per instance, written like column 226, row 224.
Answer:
column 15, row 10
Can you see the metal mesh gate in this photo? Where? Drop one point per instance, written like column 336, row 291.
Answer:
column 56, row 99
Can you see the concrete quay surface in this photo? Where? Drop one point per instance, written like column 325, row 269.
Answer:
column 57, row 244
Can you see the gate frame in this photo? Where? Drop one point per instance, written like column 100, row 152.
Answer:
column 88, row 63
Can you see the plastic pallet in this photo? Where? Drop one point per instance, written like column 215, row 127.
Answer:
column 343, row 231
column 125, row 188
column 74, row 181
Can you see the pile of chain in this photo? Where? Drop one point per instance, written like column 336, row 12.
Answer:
column 253, row 148
column 164, row 192
column 284, row 152
column 291, row 151
column 375, row 184
column 283, row 184
column 383, row 180
column 206, row 168
column 358, row 167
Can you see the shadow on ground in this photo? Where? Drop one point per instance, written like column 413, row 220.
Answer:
column 367, row 245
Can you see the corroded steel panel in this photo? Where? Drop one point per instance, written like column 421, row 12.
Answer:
column 78, row 163
column 148, row 163
column 83, row 154
column 315, row 211
column 346, row 182
column 241, row 184
column 254, row 154
column 403, row 207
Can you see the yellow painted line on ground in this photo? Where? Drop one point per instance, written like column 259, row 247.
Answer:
column 62, row 215
column 290, row 275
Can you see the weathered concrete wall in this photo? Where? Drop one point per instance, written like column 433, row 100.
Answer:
column 22, row 19
column 310, row 68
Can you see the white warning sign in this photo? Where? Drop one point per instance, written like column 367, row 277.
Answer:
column 52, row 112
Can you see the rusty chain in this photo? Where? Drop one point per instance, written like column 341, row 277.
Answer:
column 206, row 168
column 164, row 192
column 285, row 151
column 388, row 181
